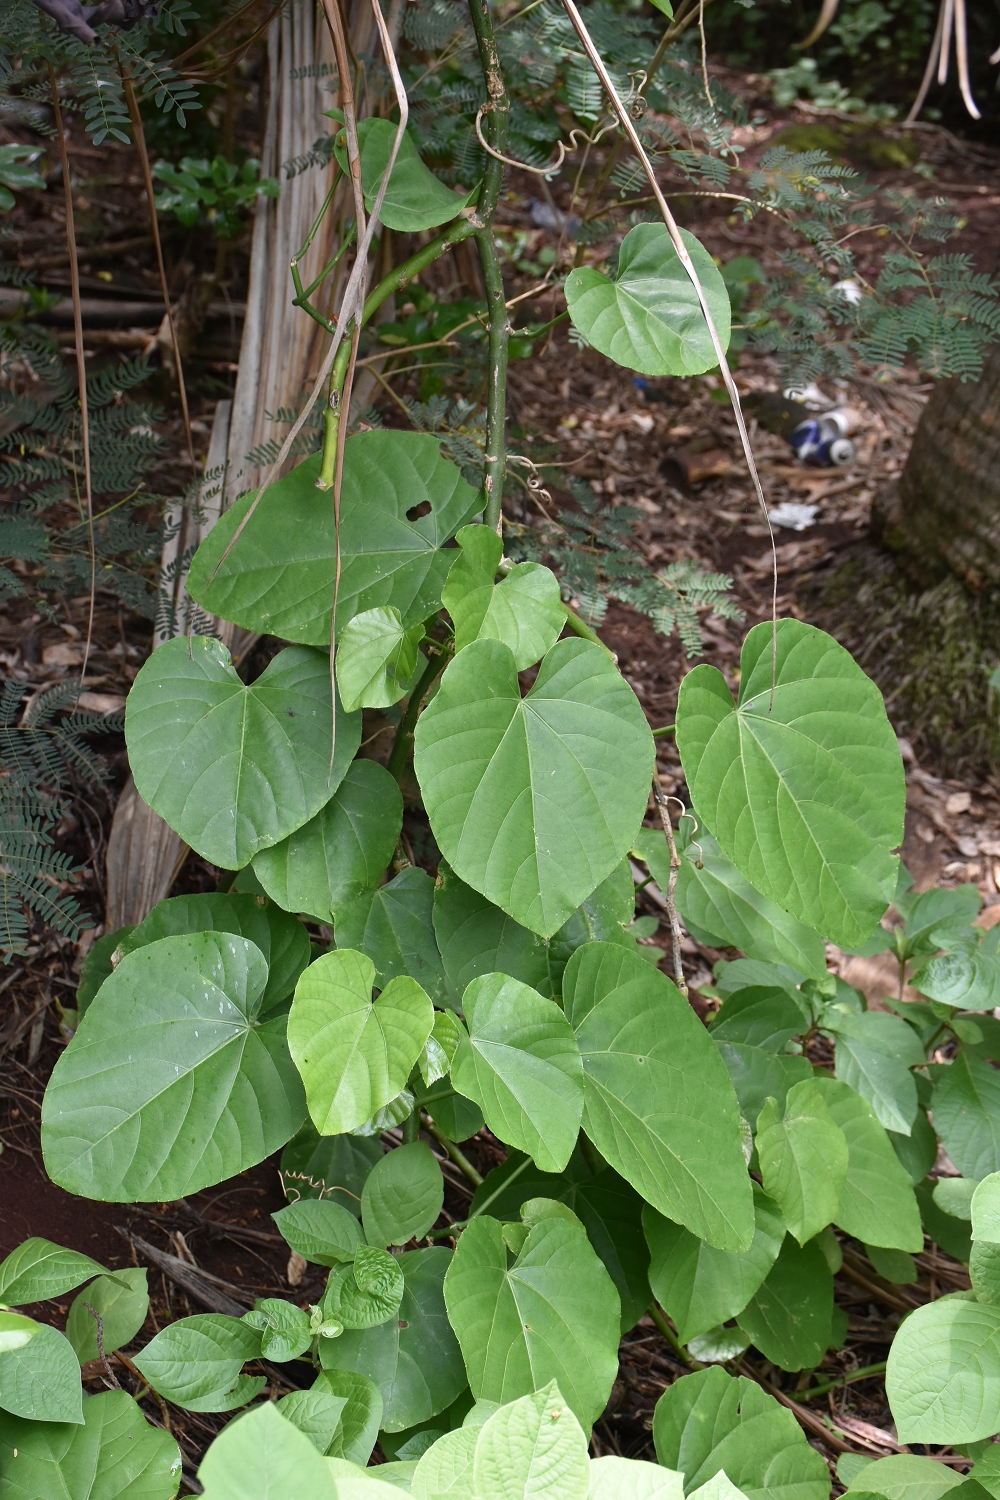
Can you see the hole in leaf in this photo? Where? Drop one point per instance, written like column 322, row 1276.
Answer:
column 416, row 511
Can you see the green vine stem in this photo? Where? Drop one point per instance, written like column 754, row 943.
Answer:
column 664, row 1327
column 403, row 742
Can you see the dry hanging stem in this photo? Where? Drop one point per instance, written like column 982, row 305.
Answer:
column 669, row 894
column 81, row 363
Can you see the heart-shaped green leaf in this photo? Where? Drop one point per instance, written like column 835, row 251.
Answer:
column 521, row 1064
column 534, row 801
column 789, row 1316
column 415, row 199
column 284, row 1328
column 121, row 1308
column 376, row 658
column 40, row 1380
column 649, row 318
column 552, row 1315
column 394, row 927
column 172, row 1081
column 535, row 1447
column 658, row 1103
column 340, row 852
column 234, row 769
column 475, row 937
column 524, row 611
column 264, row 1453
column 366, row 1293
column 354, row 1054
column 197, row 1356
column 877, row 1204
column 943, row 1375
column 115, row 1454
column 403, row 1195
column 803, row 1159
column 280, row 574
column 966, row 1108
column 804, row 793
column 874, row 1054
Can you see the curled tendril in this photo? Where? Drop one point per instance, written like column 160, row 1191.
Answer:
column 637, row 106
column 688, row 812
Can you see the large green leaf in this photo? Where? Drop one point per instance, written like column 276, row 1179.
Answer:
column 376, row 658
column 115, row 1454
column 394, row 926
column 984, row 1272
column 803, row 1159
column 758, row 1075
column 172, row 1082
column 699, row 1286
column 198, row 1356
column 877, row 1204
column 759, row 1016
column 607, row 1206
column 361, row 1417
column 905, row 1476
column 966, row 1107
column 649, row 318
column 601, row 918
column 524, row 610
column 445, row 1468
column 614, row 1478
column 315, row 1412
column 917, row 1151
column 279, row 576
column 552, row 1315
column 532, row 1447
column 263, row 1454
column 711, row 1421
column 413, row 1358
column 521, row 1064
column 333, row 1167
column 534, row 801
column 966, row 978
column 943, row 1375
column 803, row 788
column 234, row 769
column 415, row 199
column 402, row 1196
column 789, row 1316
column 354, row 1054
column 722, row 908
column 97, row 966
column 986, row 1210
column 475, row 937
column 282, row 940
column 38, row 1270
column 320, row 1231
column 40, row 1380
column 658, row 1103
column 121, row 1302
column 342, row 851
column 874, row 1054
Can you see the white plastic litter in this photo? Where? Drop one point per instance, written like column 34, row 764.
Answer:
column 794, row 517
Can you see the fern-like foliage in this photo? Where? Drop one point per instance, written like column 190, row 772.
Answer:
column 44, row 759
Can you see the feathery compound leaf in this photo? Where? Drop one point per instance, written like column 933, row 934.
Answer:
column 805, row 794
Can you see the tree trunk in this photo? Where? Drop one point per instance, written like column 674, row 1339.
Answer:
column 944, row 515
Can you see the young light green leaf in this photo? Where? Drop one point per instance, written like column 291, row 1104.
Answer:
column 40, row 1380
column 39, row 1269
column 403, row 1195
column 342, row 851
column 16, row 1331
column 953, row 1195
column 986, row 1210
column 173, row 1082
column 966, row 1106
column 820, row 767
column 711, row 1421
column 758, row 1075
column 315, row 1412
column 414, row 1358
column 263, row 1453
column 905, row 1476
column 574, row 757
column 532, row 1447
column 446, row 1466
column 320, row 1231
column 361, row 1417
column 197, row 1356
column 415, row 199
column 234, row 769
column 614, row 1478
column 721, row 907
column 121, row 1308
column 332, row 1167
column 394, row 927
column 553, row 1314
column 699, row 1286
column 803, row 1160
column 521, row 1064
column 649, row 318
column 282, row 940
column 943, row 1375
column 280, row 574
column 376, row 658
column 440, row 1047
column 354, row 1054
column 284, row 1328
column 759, row 1017
column 524, row 610
column 658, row 1103
column 877, row 1204
column 475, row 937
column 114, row 1454
column 789, row 1316
column 874, row 1054
column 365, row 1293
